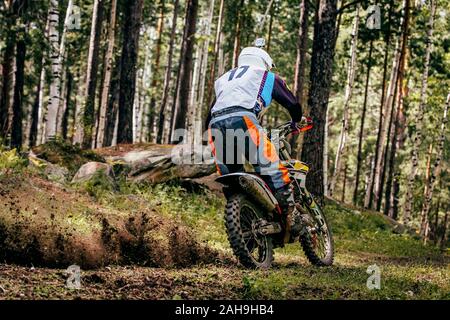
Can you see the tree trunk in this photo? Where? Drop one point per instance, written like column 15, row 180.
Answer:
column 237, row 35
column 132, row 24
column 156, row 67
column 300, row 67
column 34, row 125
column 62, row 100
column 393, row 120
column 428, row 169
column 168, row 75
column 39, row 102
column 361, row 127
column 62, row 60
column 113, row 107
column 434, row 229
column 417, row 140
column 348, row 95
column 16, row 133
column 444, row 237
column 436, row 170
column 137, row 107
column 217, row 46
column 320, row 77
column 390, row 137
column 78, row 123
column 325, row 155
column 269, row 34
column 368, row 199
column 204, row 71
column 193, row 92
column 67, row 109
column 91, row 74
column 55, row 83
column 388, row 105
column 107, row 78
column 397, row 138
column 395, row 200
column 344, row 184
column 7, row 76
column 186, row 67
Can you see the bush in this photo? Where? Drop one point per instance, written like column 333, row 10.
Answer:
column 11, row 161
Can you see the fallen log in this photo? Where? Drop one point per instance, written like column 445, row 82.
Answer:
column 160, row 163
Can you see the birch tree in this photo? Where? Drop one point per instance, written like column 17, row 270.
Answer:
column 362, row 124
column 168, row 74
column 216, row 58
column 387, row 108
column 205, row 55
column 348, row 95
column 156, row 72
column 91, row 74
column 368, row 198
column 417, row 140
column 108, row 72
column 182, row 104
column 55, row 83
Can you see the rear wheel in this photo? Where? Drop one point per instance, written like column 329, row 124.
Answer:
column 316, row 237
column 241, row 219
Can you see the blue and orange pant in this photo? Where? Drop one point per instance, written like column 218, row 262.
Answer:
column 237, row 139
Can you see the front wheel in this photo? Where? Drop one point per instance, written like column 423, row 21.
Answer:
column 316, row 237
column 241, row 220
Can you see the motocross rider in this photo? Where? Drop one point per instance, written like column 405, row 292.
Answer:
column 241, row 95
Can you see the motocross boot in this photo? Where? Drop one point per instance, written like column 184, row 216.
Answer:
column 285, row 197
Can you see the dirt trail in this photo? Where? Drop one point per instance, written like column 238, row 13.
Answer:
column 46, row 224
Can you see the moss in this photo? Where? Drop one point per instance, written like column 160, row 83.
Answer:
column 66, row 155
column 98, row 185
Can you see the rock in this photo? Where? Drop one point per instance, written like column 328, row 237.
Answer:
column 160, row 163
column 53, row 172
column 90, row 169
column 65, row 155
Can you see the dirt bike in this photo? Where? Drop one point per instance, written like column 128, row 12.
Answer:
column 254, row 220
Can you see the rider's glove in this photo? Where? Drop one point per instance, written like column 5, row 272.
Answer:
column 294, row 125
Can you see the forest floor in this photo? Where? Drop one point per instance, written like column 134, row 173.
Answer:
column 165, row 242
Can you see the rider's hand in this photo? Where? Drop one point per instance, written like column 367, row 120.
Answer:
column 294, row 125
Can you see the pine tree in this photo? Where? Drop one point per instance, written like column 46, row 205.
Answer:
column 132, row 15
column 320, row 78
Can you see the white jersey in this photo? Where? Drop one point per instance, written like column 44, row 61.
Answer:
column 239, row 87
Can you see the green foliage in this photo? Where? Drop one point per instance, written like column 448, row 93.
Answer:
column 11, row 161
column 66, row 155
column 201, row 211
column 99, row 185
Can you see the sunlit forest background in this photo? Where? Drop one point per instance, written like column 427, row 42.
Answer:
column 373, row 75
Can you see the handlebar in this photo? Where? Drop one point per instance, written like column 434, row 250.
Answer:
column 288, row 128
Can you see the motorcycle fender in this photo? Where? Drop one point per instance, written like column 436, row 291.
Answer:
column 251, row 185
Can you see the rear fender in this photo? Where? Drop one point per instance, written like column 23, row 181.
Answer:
column 251, row 185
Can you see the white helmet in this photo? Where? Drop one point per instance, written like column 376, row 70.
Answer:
column 255, row 56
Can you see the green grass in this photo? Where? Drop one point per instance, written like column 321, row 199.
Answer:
column 409, row 269
column 202, row 212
